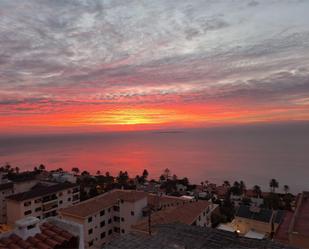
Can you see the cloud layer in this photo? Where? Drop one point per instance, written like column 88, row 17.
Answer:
column 59, row 58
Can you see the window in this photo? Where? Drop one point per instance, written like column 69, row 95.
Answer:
column 116, row 208
column 123, row 231
column 90, row 231
column 110, row 221
column 69, row 191
column 122, row 219
column 102, row 224
column 102, row 235
column 90, row 243
column 39, row 217
column 69, row 199
column 116, row 219
column 30, row 227
column 102, row 212
column 27, row 203
column 60, row 194
column 60, row 202
column 27, row 212
column 38, row 209
column 89, row 219
column 109, row 210
column 37, row 200
column 132, row 213
column 110, row 231
column 116, row 229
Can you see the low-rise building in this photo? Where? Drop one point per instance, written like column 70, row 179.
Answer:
column 107, row 216
column 42, row 201
column 261, row 220
column 160, row 201
column 197, row 213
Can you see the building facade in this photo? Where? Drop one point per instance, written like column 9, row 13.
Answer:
column 107, row 216
column 42, row 202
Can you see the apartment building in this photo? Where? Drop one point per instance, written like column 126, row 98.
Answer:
column 196, row 213
column 107, row 216
column 8, row 188
column 41, row 201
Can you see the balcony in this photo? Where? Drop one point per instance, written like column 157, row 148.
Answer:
column 50, row 206
column 49, row 198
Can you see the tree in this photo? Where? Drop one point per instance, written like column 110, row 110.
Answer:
column 273, row 185
column 123, row 178
column 226, row 183
column 257, row 191
column 17, row 170
column 42, row 167
column 286, row 189
column 174, row 177
column 242, row 187
column 75, row 170
column 85, row 173
column 98, row 172
column 167, row 174
column 145, row 174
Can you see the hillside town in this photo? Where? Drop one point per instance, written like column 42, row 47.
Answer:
column 59, row 209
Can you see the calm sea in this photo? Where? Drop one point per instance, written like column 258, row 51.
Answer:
column 254, row 154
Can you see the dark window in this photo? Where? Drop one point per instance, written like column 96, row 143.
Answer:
column 116, row 229
column 30, row 227
column 110, row 231
column 122, row 230
column 38, row 209
column 102, row 224
column 122, row 219
column 90, row 243
column 116, row 219
column 69, row 199
column 28, row 212
column 132, row 213
column 116, row 208
column 90, row 231
column 102, row 235
column 102, row 212
column 109, row 221
column 60, row 202
column 89, row 219
column 109, row 210
column 27, row 203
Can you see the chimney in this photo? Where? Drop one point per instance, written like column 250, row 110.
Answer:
column 27, row 227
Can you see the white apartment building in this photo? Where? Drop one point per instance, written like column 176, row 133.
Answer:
column 107, row 216
column 42, row 201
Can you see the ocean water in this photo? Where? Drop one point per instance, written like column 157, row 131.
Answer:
column 254, row 154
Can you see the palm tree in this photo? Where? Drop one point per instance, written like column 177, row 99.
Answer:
column 42, row 167
column 75, row 170
column 167, row 174
column 17, row 170
column 242, row 187
column 257, row 190
column 98, row 172
column 226, row 183
column 273, row 185
column 286, row 189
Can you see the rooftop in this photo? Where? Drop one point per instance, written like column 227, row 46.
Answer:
column 157, row 201
column 51, row 237
column 185, row 214
column 260, row 214
column 97, row 203
column 179, row 236
column 40, row 191
column 6, row 185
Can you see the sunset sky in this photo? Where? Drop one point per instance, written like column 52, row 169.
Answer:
column 128, row 65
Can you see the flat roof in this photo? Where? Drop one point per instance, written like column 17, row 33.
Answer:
column 41, row 191
column 185, row 214
column 96, row 204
